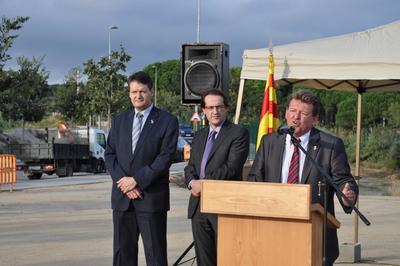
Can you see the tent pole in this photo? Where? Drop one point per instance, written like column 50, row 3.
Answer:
column 357, row 169
column 239, row 101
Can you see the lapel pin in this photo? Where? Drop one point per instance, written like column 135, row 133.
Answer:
column 151, row 121
column 315, row 148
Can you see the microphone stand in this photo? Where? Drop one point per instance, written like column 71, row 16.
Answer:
column 184, row 254
column 328, row 181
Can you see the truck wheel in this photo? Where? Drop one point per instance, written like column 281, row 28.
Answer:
column 34, row 176
column 98, row 166
column 69, row 170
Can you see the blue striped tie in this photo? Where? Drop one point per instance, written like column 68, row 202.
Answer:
column 136, row 129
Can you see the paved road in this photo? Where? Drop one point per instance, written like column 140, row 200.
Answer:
column 67, row 224
column 78, row 179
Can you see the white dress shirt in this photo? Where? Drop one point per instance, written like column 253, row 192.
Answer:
column 145, row 114
column 288, row 153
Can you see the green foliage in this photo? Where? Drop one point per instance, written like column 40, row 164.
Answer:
column 168, row 88
column 7, row 26
column 106, row 87
column 50, row 121
column 66, row 96
column 346, row 115
column 393, row 113
column 394, row 155
column 380, row 147
column 26, row 98
column 252, row 97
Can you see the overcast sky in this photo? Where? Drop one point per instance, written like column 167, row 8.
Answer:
column 69, row 32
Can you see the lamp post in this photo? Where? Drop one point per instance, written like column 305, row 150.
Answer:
column 109, row 39
column 155, row 84
column 110, row 28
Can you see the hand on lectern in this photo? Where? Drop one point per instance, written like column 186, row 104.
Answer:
column 195, row 187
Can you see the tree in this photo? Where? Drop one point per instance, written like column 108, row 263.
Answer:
column 393, row 114
column 67, row 96
column 106, row 88
column 26, row 98
column 6, row 38
column 169, row 88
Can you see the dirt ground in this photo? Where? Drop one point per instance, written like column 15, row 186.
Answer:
column 379, row 182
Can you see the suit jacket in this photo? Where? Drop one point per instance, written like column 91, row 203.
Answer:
column 329, row 153
column 226, row 159
column 149, row 165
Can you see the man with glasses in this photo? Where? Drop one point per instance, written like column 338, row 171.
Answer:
column 219, row 152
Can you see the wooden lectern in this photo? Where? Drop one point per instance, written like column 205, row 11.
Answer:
column 265, row 223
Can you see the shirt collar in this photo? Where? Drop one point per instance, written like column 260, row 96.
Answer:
column 303, row 139
column 146, row 111
column 216, row 129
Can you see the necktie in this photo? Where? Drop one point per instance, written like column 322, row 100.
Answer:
column 207, row 150
column 136, row 129
column 294, row 167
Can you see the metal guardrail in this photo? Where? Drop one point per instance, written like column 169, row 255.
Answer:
column 8, row 168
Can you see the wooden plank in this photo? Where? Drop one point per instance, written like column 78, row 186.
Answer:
column 264, row 241
column 332, row 221
column 256, row 199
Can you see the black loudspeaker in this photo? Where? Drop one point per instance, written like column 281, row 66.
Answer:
column 204, row 66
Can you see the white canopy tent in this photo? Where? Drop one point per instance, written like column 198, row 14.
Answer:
column 340, row 62
column 360, row 62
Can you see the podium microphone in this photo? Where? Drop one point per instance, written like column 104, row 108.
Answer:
column 285, row 130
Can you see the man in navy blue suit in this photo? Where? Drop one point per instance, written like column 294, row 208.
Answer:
column 140, row 149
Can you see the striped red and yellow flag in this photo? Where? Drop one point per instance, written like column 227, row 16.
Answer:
column 269, row 118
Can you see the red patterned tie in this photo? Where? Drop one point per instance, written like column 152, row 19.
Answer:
column 293, row 176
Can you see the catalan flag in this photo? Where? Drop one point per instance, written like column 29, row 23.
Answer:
column 269, row 118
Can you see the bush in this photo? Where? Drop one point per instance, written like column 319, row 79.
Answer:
column 380, row 147
column 394, row 156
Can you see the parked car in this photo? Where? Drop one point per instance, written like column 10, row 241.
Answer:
column 185, row 130
column 20, row 165
column 179, row 156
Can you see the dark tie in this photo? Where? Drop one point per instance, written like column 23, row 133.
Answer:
column 137, row 128
column 207, row 150
column 294, row 167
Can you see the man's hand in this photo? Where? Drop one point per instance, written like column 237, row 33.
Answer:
column 196, row 187
column 126, row 184
column 350, row 194
column 135, row 194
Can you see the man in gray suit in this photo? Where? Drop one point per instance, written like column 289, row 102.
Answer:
column 218, row 152
column 278, row 161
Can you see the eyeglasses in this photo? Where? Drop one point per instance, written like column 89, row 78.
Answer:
column 218, row 107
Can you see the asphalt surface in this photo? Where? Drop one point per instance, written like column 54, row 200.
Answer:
column 67, row 222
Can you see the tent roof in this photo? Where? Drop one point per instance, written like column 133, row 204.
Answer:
column 340, row 62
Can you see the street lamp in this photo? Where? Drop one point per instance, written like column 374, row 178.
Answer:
column 110, row 28
column 109, row 39
column 155, row 84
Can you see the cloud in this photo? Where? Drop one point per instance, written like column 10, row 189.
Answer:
column 69, row 32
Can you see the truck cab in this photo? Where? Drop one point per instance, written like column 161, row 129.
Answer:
column 97, row 147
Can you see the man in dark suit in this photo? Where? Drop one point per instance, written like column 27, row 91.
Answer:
column 219, row 151
column 277, row 160
column 140, row 149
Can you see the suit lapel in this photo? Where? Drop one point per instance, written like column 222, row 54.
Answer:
column 280, row 148
column 128, row 132
column 148, row 127
column 202, row 139
column 312, row 149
